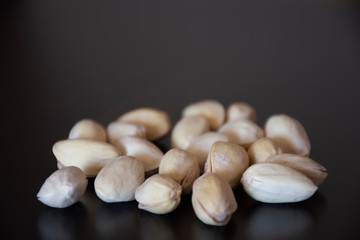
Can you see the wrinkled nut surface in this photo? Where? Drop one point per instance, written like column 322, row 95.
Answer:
column 116, row 130
column 212, row 110
column 240, row 110
column 119, row 179
column 88, row 155
column 187, row 129
column 88, row 129
column 213, row 199
column 201, row 146
column 228, row 160
column 312, row 169
column 63, row 188
column 243, row 132
column 145, row 151
column 156, row 122
column 262, row 149
column 159, row 194
column 275, row 183
column 289, row 133
column 182, row 166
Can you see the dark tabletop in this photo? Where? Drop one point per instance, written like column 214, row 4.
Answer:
column 62, row 61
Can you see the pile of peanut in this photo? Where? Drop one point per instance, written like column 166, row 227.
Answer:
column 213, row 150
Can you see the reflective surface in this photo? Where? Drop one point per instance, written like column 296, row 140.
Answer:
column 62, row 61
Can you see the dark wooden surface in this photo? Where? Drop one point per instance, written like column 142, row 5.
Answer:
column 62, row 61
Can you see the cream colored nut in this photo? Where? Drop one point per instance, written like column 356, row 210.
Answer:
column 201, row 146
column 212, row 110
column 156, row 122
column 182, row 166
column 275, row 183
column 243, row 132
column 313, row 170
column 213, row 199
column 158, row 194
column 119, row 179
column 262, row 149
column 187, row 129
column 88, row 129
column 88, row 155
column 145, row 151
column 63, row 188
column 228, row 160
column 288, row 133
column 240, row 110
column 118, row 129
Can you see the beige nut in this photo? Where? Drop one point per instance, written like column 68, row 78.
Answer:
column 262, row 149
column 159, row 194
column 275, row 183
column 88, row 129
column 243, row 132
column 289, row 133
column 213, row 199
column 313, row 170
column 201, row 146
column 228, row 160
column 118, row 129
column 156, row 122
column 212, row 110
column 145, row 151
column 187, row 129
column 88, row 155
column 182, row 166
column 240, row 110
column 63, row 188
column 119, row 179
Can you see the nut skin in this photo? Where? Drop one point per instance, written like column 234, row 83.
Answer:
column 182, row 166
column 243, row 132
column 240, row 110
column 119, row 179
column 117, row 129
column 210, row 109
column 228, row 160
column 262, row 149
column 88, row 155
column 156, row 121
column 187, row 129
column 159, row 194
column 313, row 170
column 63, row 188
column 289, row 133
column 88, row 129
column 213, row 200
column 201, row 146
column 275, row 183
column 145, row 151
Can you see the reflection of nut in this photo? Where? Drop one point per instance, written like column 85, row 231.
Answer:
column 63, row 188
column 118, row 129
column 182, row 166
column 119, row 179
column 187, row 129
column 156, row 122
column 243, row 132
column 288, row 133
column 240, row 110
column 213, row 199
column 275, row 183
column 262, row 149
column 212, row 110
column 159, row 194
column 88, row 155
column 313, row 170
column 228, row 160
column 88, row 129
